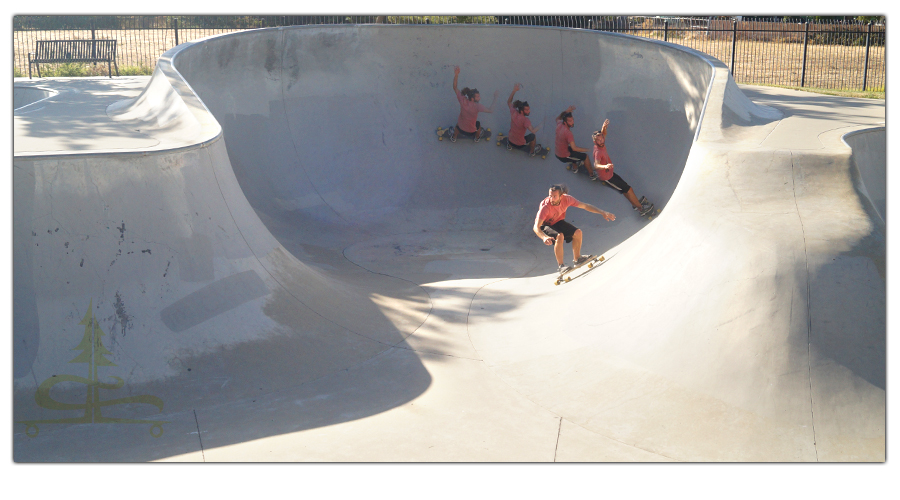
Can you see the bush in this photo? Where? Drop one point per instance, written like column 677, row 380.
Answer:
column 135, row 70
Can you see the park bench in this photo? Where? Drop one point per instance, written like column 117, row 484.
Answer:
column 60, row 51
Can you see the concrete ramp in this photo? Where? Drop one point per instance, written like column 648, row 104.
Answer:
column 268, row 255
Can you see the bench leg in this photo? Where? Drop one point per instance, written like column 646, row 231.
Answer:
column 109, row 68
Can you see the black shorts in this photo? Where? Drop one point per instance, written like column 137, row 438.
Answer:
column 618, row 183
column 567, row 230
column 469, row 134
column 574, row 157
column 528, row 139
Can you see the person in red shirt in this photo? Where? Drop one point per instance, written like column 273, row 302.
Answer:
column 552, row 228
column 572, row 155
column 604, row 168
column 469, row 106
column 519, row 124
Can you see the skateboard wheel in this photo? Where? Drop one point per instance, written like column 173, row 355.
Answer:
column 440, row 138
column 543, row 157
column 568, row 279
column 602, row 258
column 591, row 265
column 557, row 282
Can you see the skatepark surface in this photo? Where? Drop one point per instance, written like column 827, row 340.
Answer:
column 263, row 253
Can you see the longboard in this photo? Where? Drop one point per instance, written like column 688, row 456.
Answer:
column 564, row 276
column 653, row 210
column 448, row 133
column 539, row 150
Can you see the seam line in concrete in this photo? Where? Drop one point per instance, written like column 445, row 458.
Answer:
column 199, row 437
column 812, row 408
column 558, row 432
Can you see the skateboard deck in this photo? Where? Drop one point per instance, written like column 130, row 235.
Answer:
column 448, row 133
column 538, row 149
column 590, row 262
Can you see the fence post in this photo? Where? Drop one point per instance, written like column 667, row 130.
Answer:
column 803, row 64
column 733, row 43
column 176, row 31
column 666, row 30
column 93, row 42
column 866, row 65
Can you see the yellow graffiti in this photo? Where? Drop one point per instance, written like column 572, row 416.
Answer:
column 93, row 354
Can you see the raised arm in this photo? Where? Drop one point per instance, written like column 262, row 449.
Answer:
column 591, row 208
column 568, row 110
column 455, row 79
column 603, row 128
column 515, row 89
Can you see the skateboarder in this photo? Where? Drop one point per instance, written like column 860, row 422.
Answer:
column 551, row 227
column 518, row 114
column 604, row 168
column 565, row 144
column 469, row 106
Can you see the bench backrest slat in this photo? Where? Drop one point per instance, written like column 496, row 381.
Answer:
column 75, row 50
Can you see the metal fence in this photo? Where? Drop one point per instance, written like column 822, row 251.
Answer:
column 840, row 55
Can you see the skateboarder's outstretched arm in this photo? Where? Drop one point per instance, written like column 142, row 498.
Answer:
column 573, row 147
column 515, row 89
column 568, row 110
column 591, row 208
column 455, row 80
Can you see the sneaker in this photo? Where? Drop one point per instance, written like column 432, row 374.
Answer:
column 646, row 210
column 508, row 147
column 478, row 137
column 581, row 260
column 644, row 201
column 594, row 176
column 452, row 139
column 562, row 268
column 537, row 147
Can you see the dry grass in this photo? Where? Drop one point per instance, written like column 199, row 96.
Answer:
column 832, row 67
